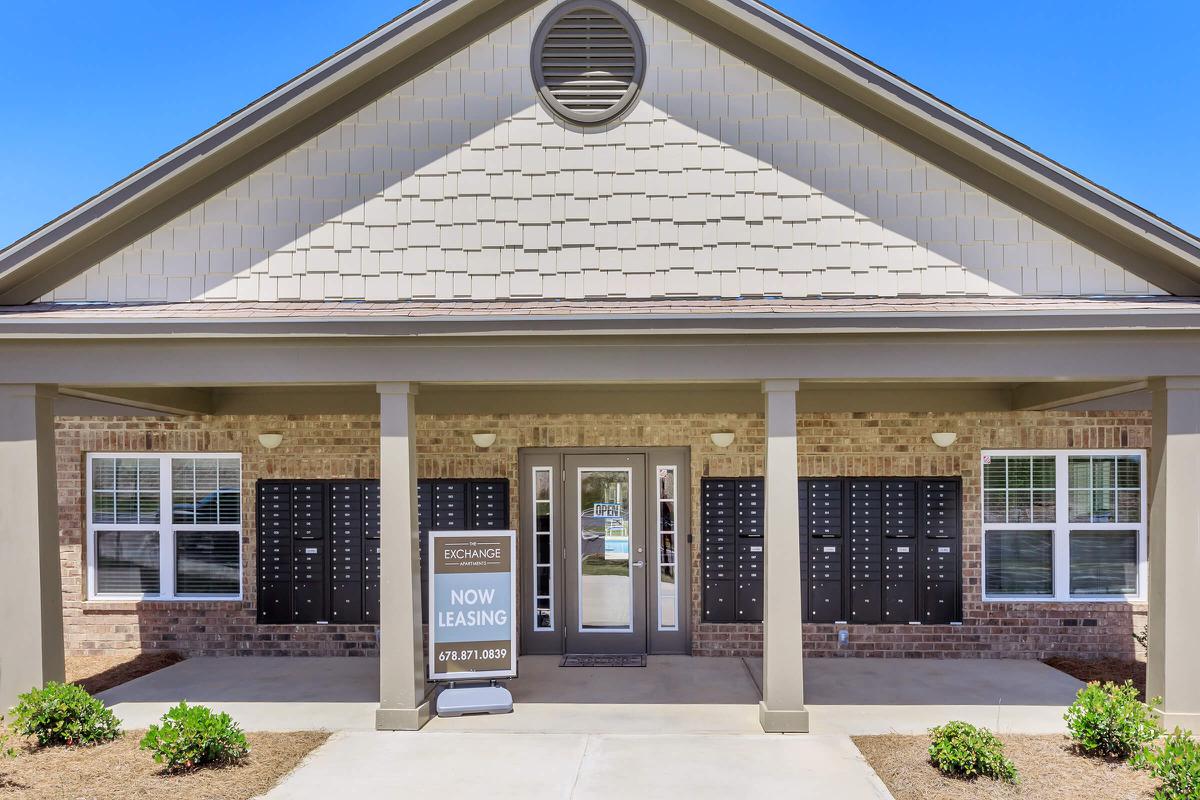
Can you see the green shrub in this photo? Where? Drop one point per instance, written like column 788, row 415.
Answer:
column 1176, row 763
column 1110, row 721
column 964, row 751
column 63, row 713
column 193, row 736
column 5, row 750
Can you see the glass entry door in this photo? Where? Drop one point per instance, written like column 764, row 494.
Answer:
column 606, row 561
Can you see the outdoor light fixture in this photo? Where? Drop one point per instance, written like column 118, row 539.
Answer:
column 722, row 438
column 270, row 440
column 484, row 440
column 944, row 438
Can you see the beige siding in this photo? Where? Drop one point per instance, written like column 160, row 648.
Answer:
column 721, row 182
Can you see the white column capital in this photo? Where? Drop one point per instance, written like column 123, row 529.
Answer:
column 397, row 387
column 780, row 386
column 43, row 390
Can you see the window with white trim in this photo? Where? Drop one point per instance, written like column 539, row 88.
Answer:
column 668, row 588
column 1064, row 525
column 164, row 526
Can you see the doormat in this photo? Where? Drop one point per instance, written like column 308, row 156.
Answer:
column 590, row 660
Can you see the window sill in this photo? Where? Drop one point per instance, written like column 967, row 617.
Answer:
column 1067, row 600
column 134, row 604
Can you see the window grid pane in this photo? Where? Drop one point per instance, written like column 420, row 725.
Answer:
column 1104, row 563
column 1020, row 563
column 1105, row 489
column 205, row 491
column 1019, row 489
column 668, row 589
column 127, row 562
column 125, row 491
column 207, row 562
column 543, row 570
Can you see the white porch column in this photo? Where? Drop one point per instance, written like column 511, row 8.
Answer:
column 31, row 643
column 782, row 709
column 1173, row 671
column 403, row 704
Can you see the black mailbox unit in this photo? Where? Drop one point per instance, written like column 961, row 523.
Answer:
column 718, row 524
column 318, row 542
column 731, row 525
column 274, row 514
column 894, row 526
column 941, row 550
column 826, row 548
column 750, row 554
column 866, row 514
column 862, row 542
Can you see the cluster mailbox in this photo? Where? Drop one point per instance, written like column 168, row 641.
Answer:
column 874, row 550
column 318, row 542
column 732, row 532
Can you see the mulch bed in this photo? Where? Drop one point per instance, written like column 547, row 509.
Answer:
column 120, row 771
column 1103, row 670
column 97, row 673
column 1048, row 767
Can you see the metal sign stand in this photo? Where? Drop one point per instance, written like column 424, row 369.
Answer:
column 455, row 700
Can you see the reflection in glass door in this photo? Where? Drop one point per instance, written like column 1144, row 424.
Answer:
column 605, row 564
column 605, row 558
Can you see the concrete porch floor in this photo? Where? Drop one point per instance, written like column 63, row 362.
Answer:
column 672, row 694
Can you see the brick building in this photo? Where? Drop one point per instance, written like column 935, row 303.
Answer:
column 759, row 350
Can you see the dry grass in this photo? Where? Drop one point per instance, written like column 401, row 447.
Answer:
column 1048, row 766
column 1105, row 669
column 97, row 673
column 120, row 771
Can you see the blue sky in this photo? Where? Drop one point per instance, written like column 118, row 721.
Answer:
column 92, row 91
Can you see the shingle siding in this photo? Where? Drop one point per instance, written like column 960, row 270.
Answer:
column 720, row 182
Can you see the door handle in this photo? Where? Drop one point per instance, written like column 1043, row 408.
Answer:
column 639, row 563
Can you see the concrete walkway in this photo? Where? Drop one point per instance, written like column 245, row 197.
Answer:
column 582, row 767
column 672, row 694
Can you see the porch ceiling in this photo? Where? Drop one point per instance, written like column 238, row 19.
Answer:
column 698, row 398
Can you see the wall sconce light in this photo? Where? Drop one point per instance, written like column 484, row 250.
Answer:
column 484, row 440
column 722, row 438
column 270, row 440
column 944, row 438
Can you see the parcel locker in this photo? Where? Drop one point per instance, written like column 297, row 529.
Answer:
column 346, row 602
column 720, row 601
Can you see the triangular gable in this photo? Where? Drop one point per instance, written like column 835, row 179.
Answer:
column 832, row 237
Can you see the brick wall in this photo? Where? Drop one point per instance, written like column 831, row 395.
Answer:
column 830, row 445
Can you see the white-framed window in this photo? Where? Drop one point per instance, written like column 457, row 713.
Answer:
column 164, row 526
column 667, row 534
column 1064, row 525
column 543, row 549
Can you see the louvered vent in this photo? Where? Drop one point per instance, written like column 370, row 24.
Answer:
column 588, row 61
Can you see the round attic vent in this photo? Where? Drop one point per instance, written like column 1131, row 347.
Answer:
column 588, row 60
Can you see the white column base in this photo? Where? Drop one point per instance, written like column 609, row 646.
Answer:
column 782, row 720
column 402, row 719
column 1187, row 721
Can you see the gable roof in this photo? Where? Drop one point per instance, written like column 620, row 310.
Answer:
column 1113, row 227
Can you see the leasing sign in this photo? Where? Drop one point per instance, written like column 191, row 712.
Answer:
column 472, row 601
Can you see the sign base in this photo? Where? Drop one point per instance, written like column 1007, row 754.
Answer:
column 456, row 701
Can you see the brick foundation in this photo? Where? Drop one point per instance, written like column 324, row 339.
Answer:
column 344, row 446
